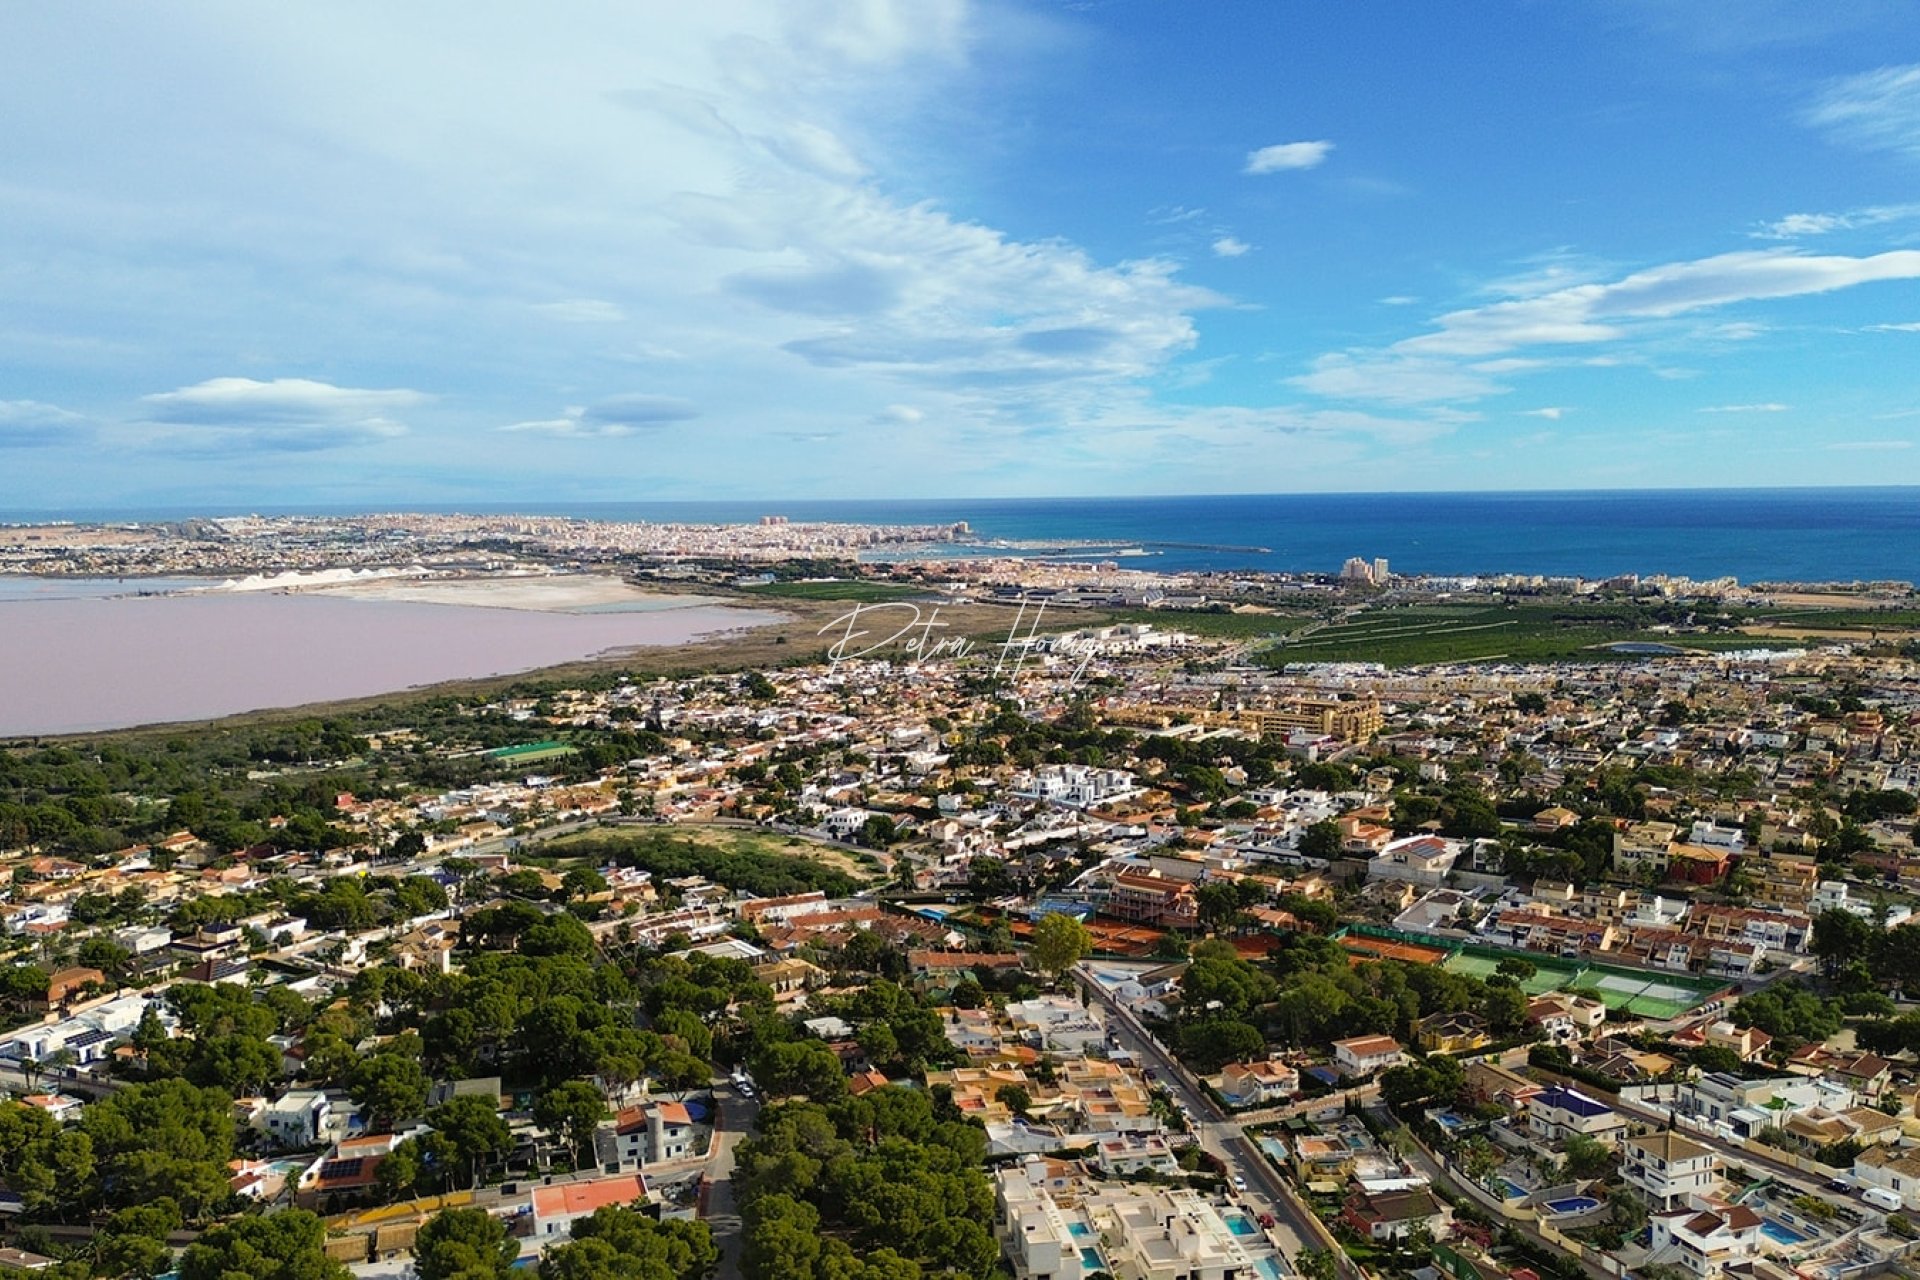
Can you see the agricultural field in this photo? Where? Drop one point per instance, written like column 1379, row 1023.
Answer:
column 1213, row 626
column 1420, row 634
column 856, row 590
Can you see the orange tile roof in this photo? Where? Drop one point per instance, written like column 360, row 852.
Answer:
column 574, row 1199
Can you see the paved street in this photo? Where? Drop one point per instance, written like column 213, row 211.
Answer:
column 1221, row 1136
column 722, row 1213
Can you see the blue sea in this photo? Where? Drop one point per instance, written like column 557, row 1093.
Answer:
column 1750, row 534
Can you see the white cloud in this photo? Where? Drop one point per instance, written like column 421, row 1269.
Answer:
column 1877, row 110
column 1771, row 406
column 1422, row 367
column 1552, row 413
column 249, row 402
column 1800, row 226
column 1911, row 326
column 1399, row 300
column 1286, row 155
column 1392, row 380
column 283, row 414
column 1230, row 247
column 903, row 415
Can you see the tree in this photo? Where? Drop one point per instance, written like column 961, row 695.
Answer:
column 1213, row 1042
column 473, row 1130
column 290, row 1245
column 1322, row 840
column 1587, row 1157
column 1059, row 943
column 571, row 1110
column 617, row 1243
column 463, row 1244
column 392, row 1086
column 1840, row 938
column 1316, row 1264
column 1014, row 1098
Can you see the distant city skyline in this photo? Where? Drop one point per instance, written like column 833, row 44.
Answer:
column 770, row 249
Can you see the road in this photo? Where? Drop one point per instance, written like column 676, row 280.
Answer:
column 722, row 1212
column 1221, row 1136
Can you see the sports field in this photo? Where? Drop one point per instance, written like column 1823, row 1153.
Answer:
column 1641, row 992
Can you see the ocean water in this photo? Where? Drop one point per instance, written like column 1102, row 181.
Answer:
column 1750, row 534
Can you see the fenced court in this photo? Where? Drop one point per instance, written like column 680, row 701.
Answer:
column 1642, row 992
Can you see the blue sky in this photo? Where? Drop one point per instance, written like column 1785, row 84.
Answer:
column 432, row 253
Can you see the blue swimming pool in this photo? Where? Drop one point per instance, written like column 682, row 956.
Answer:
column 1515, row 1191
column 1781, row 1232
column 1572, row 1204
column 1270, row 1268
column 1079, row 1229
column 1239, row 1223
column 1090, row 1259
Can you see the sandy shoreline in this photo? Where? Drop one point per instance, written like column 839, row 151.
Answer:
column 559, row 593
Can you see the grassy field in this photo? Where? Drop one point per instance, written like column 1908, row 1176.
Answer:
column 1400, row 637
column 853, row 590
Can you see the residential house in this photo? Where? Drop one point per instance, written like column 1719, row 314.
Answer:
column 1669, row 1170
column 1393, row 1215
column 1556, row 1114
column 1705, row 1242
column 1364, row 1055
column 1891, row 1169
column 557, row 1207
column 1459, row 1032
column 1258, row 1084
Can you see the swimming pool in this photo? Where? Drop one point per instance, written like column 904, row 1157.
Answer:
column 1079, row 1229
column 1515, row 1191
column 1780, row 1232
column 1239, row 1223
column 1572, row 1204
column 1090, row 1259
column 1449, row 1121
column 1270, row 1268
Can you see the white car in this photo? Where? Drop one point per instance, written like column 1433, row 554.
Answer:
column 1240, row 1182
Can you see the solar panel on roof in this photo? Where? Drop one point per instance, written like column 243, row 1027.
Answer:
column 334, row 1170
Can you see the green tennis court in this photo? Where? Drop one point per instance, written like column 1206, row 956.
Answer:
column 1642, row 992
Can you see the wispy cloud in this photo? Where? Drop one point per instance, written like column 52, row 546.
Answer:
column 1910, row 326
column 1454, row 360
column 1552, row 413
column 29, row 424
column 611, row 418
column 1286, row 155
column 1801, row 226
column 1877, row 110
column 583, row 311
column 1230, row 247
column 1767, row 407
